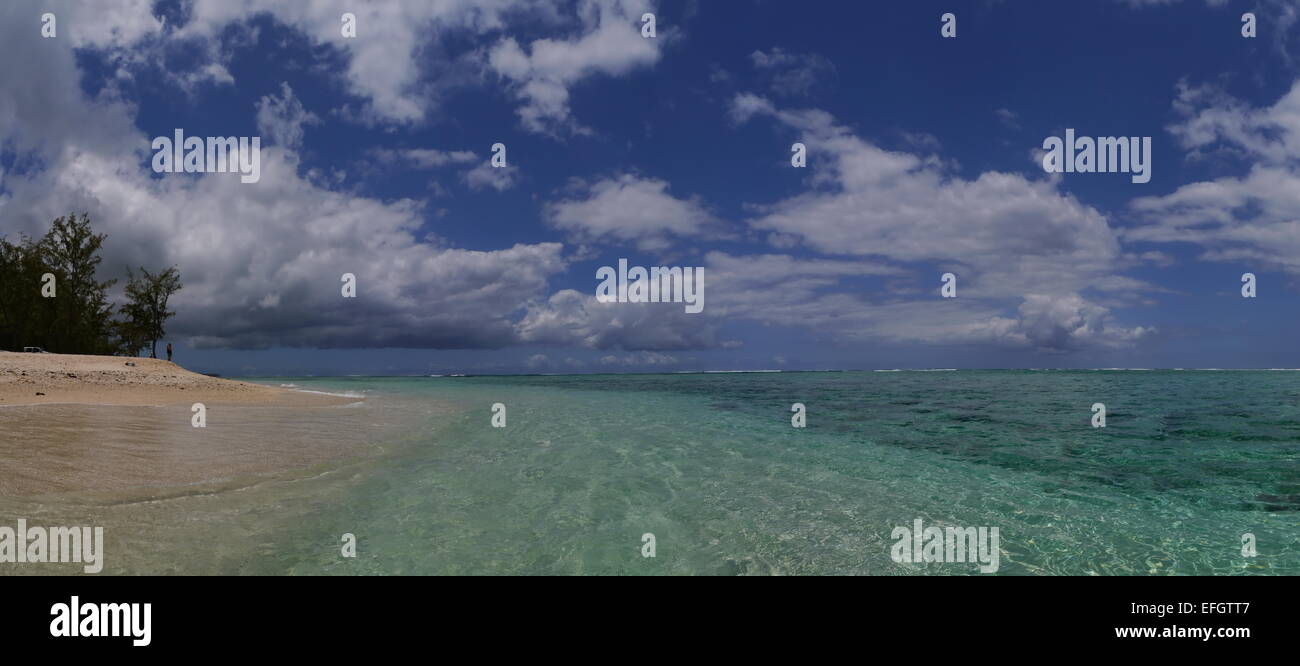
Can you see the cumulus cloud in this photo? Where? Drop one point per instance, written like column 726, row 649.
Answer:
column 281, row 119
column 1007, row 237
column 42, row 108
column 787, row 291
column 384, row 64
column 262, row 263
column 1214, row 122
column 571, row 317
column 1252, row 218
column 542, row 73
column 1013, row 234
column 1062, row 322
column 486, row 176
column 1026, row 254
column 116, row 24
column 383, row 68
column 771, row 289
column 264, row 268
column 629, row 209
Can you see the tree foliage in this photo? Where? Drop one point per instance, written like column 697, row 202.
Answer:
column 146, row 312
column 72, row 313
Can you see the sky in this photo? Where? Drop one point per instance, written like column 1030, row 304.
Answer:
column 924, row 156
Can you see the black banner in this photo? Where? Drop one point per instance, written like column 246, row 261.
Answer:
column 939, row 617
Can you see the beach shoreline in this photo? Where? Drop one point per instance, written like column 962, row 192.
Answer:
column 35, row 379
column 103, row 427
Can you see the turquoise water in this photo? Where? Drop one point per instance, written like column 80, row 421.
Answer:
column 1188, row 462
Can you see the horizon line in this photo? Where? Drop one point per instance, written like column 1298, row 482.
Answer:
column 723, row 372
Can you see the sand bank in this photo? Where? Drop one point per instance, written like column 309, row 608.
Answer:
column 32, row 379
column 93, row 424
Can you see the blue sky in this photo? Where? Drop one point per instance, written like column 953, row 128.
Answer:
column 923, row 158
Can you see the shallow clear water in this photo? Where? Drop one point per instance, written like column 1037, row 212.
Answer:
column 709, row 464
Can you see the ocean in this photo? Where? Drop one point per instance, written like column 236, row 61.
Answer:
column 1188, row 465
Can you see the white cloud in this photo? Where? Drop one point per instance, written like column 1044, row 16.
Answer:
column 281, row 119
column 570, row 317
column 1013, row 235
column 41, row 107
column 609, row 43
column 772, row 289
column 1008, row 118
column 1212, row 122
column 1009, row 239
column 486, row 176
column 387, row 63
column 286, row 244
column 1253, row 218
column 261, row 262
column 629, row 209
column 114, row 24
column 1024, row 252
column 383, row 64
column 780, row 290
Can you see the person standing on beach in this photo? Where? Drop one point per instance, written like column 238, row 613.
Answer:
column 169, row 352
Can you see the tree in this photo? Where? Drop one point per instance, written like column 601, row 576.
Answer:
column 77, row 319
column 146, row 309
column 20, row 274
column 77, row 316
column 128, row 337
column 82, row 314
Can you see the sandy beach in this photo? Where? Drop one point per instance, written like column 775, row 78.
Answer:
column 33, row 379
column 95, row 424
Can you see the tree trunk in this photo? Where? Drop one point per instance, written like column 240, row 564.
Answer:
column 153, row 349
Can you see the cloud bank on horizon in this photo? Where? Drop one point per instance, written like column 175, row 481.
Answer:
column 474, row 162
